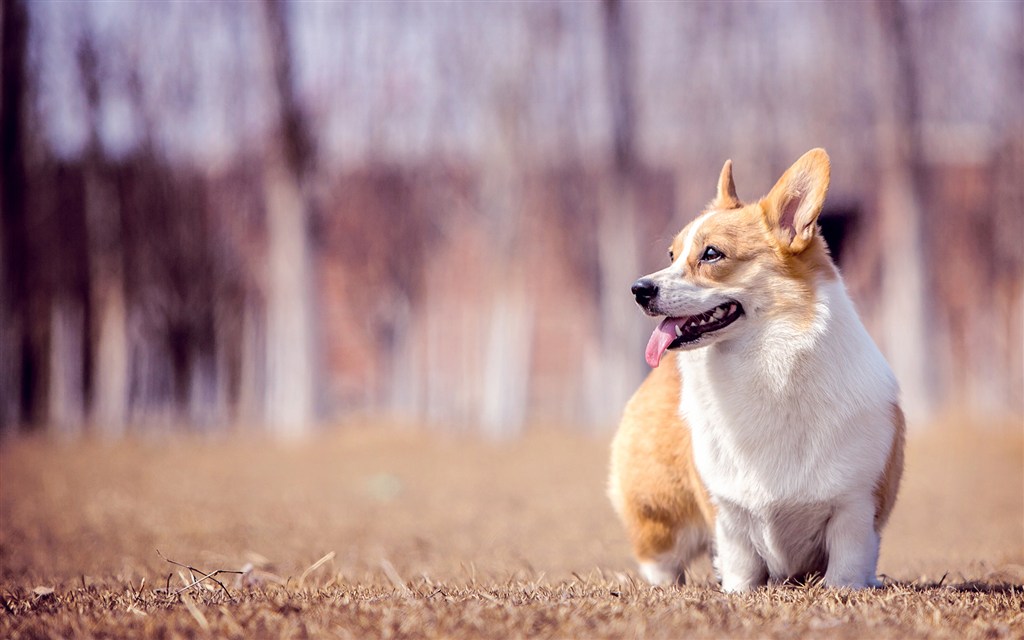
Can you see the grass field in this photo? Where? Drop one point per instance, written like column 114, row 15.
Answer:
column 381, row 532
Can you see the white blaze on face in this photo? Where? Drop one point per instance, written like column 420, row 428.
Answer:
column 692, row 235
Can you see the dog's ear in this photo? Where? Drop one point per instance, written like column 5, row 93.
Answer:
column 726, row 198
column 792, row 206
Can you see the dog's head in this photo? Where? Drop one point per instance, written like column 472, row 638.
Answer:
column 737, row 266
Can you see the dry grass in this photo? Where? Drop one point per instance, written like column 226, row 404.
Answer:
column 438, row 537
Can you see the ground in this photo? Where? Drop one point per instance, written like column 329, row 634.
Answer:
column 372, row 531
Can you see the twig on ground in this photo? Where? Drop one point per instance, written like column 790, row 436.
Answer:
column 203, row 576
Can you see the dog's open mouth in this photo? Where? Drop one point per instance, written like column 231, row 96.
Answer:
column 674, row 333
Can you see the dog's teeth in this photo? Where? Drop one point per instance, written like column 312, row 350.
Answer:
column 679, row 331
column 732, row 309
column 719, row 312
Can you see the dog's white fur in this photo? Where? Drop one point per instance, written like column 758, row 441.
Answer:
column 784, row 417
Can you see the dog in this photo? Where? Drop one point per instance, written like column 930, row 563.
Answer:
column 769, row 430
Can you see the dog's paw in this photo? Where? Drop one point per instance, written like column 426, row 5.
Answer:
column 739, row 584
column 661, row 574
column 847, row 582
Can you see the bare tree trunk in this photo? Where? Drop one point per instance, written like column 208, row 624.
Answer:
column 1007, row 372
column 439, row 368
column 289, row 331
column 110, row 372
column 500, row 386
column 507, row 364
column 904, row 325
column 252, row 367
column 67, row 375
column 621, row 327
column 110, row 363
column 621, row 332
column 107, row 299
column 406, row 386
column 289, row 377
column 14, row 285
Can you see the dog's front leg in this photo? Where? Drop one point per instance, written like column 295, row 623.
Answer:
column 852, row 544
column 738, row 563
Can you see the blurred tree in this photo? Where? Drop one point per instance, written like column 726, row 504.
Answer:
column 65, row 237
column 289, row 157
column 106, row 262
column 507, row 313
column 901, row 160
column 20, row 359
column 615, row 372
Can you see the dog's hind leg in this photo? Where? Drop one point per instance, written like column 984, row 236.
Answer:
column 669, row 567
column 654, row 485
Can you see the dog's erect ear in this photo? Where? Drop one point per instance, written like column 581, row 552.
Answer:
column 726, row 196
column 794, row 203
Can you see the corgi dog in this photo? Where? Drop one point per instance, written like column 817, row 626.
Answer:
column 769, row 430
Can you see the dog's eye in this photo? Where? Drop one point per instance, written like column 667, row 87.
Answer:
column 711, row 254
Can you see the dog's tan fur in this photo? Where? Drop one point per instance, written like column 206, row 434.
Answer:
column 655, row 486
column 889, row 483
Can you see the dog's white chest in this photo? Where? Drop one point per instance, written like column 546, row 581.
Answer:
column 757, row 450
column 792, row 415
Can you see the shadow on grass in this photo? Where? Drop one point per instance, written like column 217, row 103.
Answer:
column 970, row 586
column 964, row 586
column 990, row 586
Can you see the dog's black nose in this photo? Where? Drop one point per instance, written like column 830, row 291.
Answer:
column 645, row 290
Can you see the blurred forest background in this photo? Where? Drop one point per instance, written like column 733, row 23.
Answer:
column 269, row 215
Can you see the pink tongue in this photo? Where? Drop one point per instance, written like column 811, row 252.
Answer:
column 660, row 339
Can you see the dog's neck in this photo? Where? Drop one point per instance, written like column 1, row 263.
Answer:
column 825, row 354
